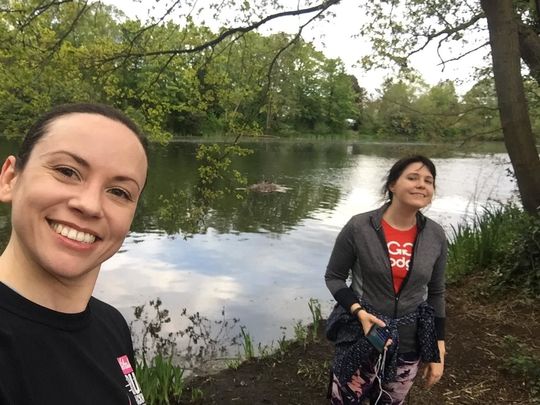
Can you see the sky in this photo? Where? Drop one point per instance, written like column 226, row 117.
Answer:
column 336, row 39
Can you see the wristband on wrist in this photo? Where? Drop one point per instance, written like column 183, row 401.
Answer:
column 356, row 310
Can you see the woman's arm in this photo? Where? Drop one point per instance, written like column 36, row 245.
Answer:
column 341, row 261
column 437, row 288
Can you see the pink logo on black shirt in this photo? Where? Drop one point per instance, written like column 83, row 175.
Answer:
column 131, row 380
column 125, row 365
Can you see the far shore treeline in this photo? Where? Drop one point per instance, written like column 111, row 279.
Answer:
column 251, row 85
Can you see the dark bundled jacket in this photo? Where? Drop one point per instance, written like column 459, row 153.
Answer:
column 353, row 349
column 361, row 248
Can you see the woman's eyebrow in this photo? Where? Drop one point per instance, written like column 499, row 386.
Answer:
column 72, row 155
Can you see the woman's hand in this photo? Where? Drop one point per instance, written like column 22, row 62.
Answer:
column 434, row 371
column 367, row 321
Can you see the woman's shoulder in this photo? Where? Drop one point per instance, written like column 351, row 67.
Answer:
column 366, row 216
column 434, row 228
column 105, row 312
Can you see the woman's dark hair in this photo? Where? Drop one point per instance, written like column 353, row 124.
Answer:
column 397, row 169
column 40, row 127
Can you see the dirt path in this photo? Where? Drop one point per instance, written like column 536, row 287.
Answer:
column 474, row 372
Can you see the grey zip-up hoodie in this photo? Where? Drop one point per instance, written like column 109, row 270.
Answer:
column 361, row 248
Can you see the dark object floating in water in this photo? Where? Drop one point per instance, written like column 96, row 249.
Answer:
column 267, row 187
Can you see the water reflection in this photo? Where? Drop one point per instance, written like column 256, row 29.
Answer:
column 263, row 257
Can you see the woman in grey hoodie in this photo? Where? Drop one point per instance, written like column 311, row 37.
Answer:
column 396, row 258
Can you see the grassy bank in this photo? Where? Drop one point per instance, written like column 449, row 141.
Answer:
column 494, row 286
column 504, row 244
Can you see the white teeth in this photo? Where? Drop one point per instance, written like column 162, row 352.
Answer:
column 73, row 234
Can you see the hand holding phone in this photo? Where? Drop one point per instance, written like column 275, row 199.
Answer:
column 378, row 336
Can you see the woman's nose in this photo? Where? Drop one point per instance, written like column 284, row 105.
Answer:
column 87, row 201
column 420, row 184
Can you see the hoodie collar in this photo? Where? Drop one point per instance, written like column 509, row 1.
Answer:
column 377, row 215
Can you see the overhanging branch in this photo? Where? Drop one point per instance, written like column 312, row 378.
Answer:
column 325, row 5
column 447, row 32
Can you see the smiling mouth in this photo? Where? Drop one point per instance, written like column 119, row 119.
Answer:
column 72, row 234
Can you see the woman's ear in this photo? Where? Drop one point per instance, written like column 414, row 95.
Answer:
column 8, row 178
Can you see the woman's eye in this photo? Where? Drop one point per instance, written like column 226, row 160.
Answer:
column 118, row 192
column 67, row 172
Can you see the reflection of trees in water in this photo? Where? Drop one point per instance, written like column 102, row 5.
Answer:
column 176, row 201
column 276, row 212
column 181, row 211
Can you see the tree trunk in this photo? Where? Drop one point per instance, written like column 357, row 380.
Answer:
column 515, row 121
column 529, row 46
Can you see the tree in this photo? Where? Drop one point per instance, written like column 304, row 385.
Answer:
column 438, row 113
column 480, row 102
column 394, row 113
column 401, row 29
column 518, row 136
column 398, row 30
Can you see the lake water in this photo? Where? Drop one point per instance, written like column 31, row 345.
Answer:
column 262, row 258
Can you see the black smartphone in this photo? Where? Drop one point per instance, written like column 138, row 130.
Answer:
column 378, row 336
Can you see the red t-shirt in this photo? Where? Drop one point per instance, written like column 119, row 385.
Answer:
column 400, row 246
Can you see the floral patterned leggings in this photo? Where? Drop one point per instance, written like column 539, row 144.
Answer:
column 365, row 387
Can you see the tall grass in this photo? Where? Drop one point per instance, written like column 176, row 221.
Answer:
column 247, row 343
column 504, row 241
column 160, row 380
column 315, row 309
column 483, row 242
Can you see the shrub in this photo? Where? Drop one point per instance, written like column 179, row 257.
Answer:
column 505, row 242
column 523, row 363
column 480, row 244
column 521, row 264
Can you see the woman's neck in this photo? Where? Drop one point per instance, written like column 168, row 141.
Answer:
column 399, row 217
column 40, row 287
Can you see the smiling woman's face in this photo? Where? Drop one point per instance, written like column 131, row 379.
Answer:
column 414, row 187
column 73, row 203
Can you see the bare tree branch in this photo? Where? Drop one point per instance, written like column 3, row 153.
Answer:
column 40, row 9
column 464, row 54
column 63, row 37
column 139, row 33
column 457, row 114
column 477, row 134
column 227, row 33
column 447, row 32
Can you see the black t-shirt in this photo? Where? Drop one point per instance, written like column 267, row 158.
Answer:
column 49, row 357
